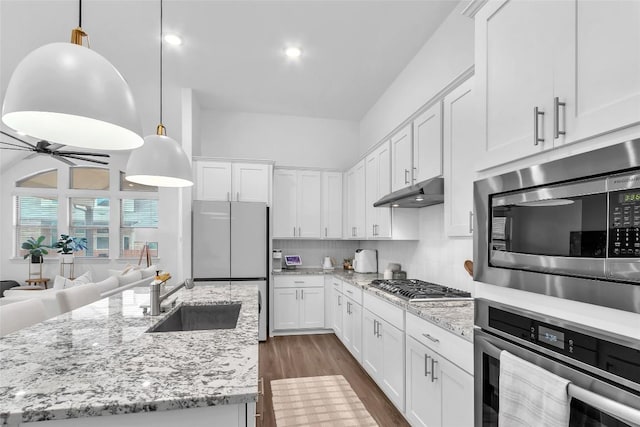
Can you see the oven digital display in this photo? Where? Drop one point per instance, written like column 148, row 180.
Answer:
column 551, row 337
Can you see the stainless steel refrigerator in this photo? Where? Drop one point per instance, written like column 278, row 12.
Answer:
column 230, row 242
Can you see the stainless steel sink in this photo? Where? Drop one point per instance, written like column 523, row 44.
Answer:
column 200, row 317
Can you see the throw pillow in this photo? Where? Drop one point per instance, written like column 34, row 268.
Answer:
column 63, row 283
column 130, row 277
column 149, row 271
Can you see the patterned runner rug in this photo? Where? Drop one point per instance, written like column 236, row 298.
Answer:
column 318, row 401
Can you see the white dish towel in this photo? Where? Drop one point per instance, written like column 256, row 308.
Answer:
column 531, row 396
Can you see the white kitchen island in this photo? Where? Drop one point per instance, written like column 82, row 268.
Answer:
column 97, row 366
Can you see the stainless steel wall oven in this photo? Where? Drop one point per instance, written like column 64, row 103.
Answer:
column 569, row 228
column 603, row 369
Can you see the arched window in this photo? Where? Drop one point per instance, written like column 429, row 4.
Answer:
column 44, row 179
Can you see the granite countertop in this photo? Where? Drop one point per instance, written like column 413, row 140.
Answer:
column 98, row 360
column 454, row 315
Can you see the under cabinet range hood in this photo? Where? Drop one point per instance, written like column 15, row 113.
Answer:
column 425, row 193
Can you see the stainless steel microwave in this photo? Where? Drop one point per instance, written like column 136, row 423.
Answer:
column 568, row 228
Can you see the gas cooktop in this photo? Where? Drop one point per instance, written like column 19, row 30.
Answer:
column 417, row 290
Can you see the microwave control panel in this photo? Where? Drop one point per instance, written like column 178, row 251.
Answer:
column 624, row 224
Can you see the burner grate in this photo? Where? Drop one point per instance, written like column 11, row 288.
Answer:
column 418, row 290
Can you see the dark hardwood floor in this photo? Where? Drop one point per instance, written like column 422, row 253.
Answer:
column 313, row 355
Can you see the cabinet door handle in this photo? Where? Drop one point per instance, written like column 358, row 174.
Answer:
column 406, row 176
column 348, row 307
column 379, row 334
column 556, row 118
column 228, row 196
column 415, row 175
column 373, row 230
column 470, row 222
column 339, row 300
column 375, row 327
column 429, row 337
column 261, row 386
column 301, row 293
column 294, row 232
column 296, row 294
column 238, row 196
column 426, row 365
column 299, row 231
column 325, row 232
column 536, row 114
column 433, row 369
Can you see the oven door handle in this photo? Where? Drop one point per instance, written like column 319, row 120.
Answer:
column 622, row 412
column 615, row 409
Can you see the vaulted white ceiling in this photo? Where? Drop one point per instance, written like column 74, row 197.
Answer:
column 232, row 52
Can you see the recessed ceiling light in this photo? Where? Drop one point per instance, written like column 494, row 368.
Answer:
column 173, row 39
column 419, row 199
column 395, row 205
column 293, row 52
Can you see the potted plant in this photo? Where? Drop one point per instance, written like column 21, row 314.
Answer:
column 36, row 249
column 67, row 245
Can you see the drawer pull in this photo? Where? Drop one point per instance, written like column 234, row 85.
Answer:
column 261, row 386
column 429, row 337
column 349, row 291
column 298, row 281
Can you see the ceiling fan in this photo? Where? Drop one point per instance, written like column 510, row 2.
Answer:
column 53, row 150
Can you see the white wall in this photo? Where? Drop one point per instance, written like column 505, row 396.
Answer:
column 288, row 140
column 446, row 55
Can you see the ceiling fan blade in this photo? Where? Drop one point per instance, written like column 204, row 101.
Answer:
column 15, row 145
column 17, row 139
column 81, row 153
column 81, row 158
column 14, row 149
column 63, row 160
column 32, row 155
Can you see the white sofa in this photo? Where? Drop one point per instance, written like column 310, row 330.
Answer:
column 115, row 283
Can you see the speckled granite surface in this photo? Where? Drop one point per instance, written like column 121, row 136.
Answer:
column 455, row 316
column 98, row 360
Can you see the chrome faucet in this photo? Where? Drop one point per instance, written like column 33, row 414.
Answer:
column 156, row 298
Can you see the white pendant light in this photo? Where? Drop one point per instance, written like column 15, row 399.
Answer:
column 161, row 161
column 68, row 94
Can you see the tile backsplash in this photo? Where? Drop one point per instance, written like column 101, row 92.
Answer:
column 435, row 257
column 313, row 252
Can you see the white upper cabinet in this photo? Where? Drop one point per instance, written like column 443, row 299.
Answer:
column 296, row 204
column 555, row 72
column 213, row 180
column 427, row 144
column 377, row 185
column 461, row 129
column 250, row 182
column 332, row 205
column 601, row 88
column 309, row 204
column 356, row 221
column 515, row 46
column 285, row 206
column 232, row 182
column 401, row 158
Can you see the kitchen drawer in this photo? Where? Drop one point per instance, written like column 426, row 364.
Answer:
column 336, row 283
column 386, row 311
column 353, row 292
column 298, row 281
column 456, row 349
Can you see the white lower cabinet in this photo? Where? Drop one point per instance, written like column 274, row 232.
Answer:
column 352, row 327
column 439, row 393
column 298, row 302
column 383, row 356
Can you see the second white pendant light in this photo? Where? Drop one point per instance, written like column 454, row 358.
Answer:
column 161, row 161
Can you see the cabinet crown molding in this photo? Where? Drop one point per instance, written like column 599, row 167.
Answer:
column 473, row 7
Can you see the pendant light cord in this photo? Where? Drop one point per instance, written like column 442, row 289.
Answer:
column 160, row 61
column 80, row 13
